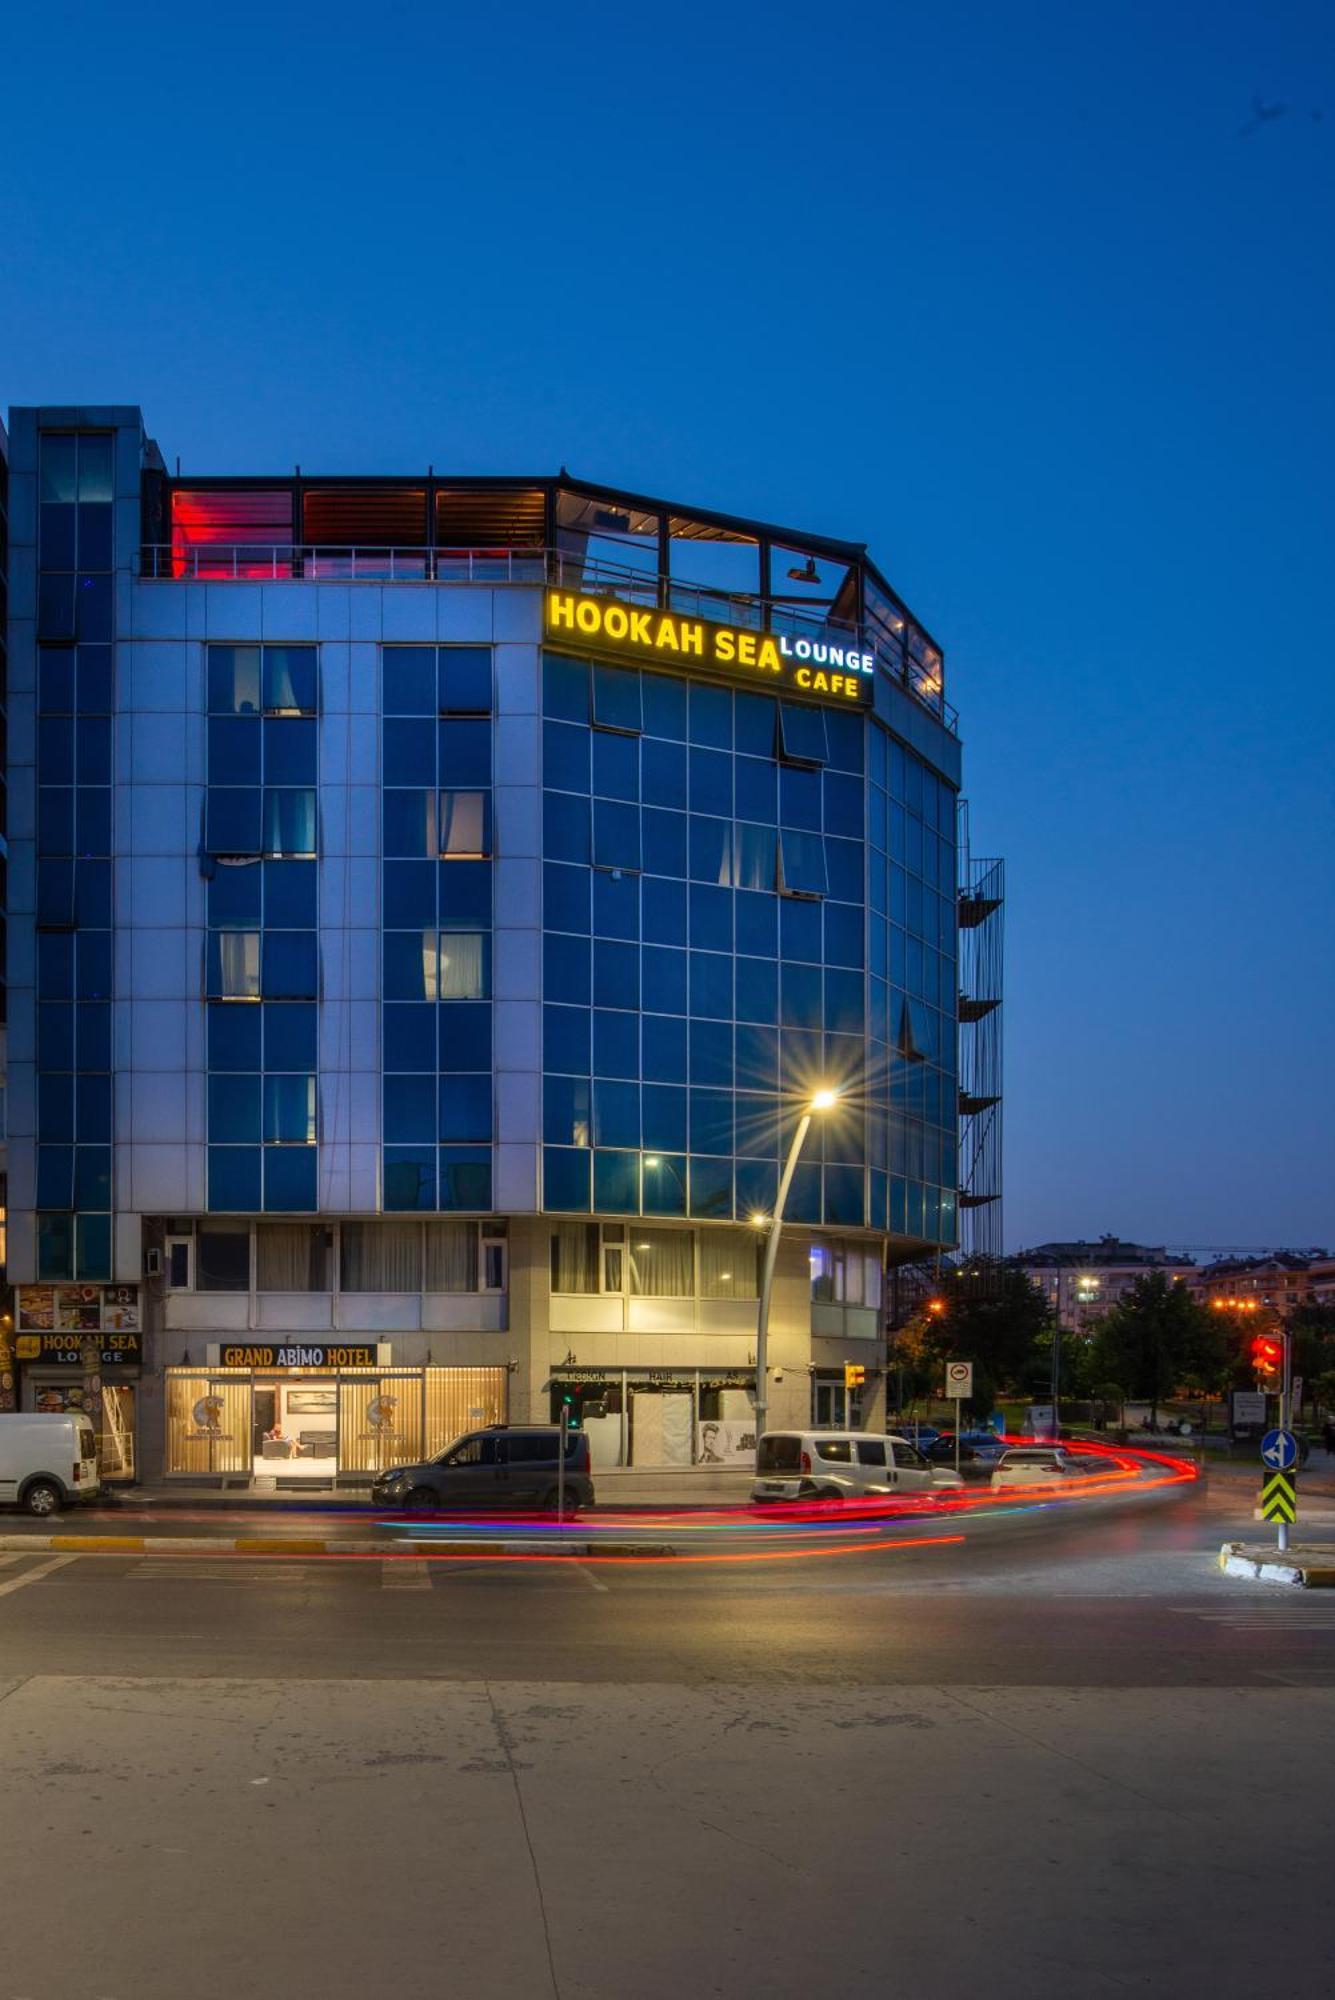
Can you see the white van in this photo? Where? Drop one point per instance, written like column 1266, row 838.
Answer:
column 47, row 1462
column 842, row 1465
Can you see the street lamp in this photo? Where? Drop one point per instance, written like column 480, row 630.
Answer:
column 820, row 1100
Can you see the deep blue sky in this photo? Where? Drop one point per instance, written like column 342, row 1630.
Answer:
column 999, row 290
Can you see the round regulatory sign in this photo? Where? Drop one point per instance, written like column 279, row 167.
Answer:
column 1279, row 1449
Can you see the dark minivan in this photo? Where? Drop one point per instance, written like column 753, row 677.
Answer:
column 505, row 1465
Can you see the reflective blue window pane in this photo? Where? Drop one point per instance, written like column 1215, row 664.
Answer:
column 409, row 1037
column 616, row 697
column 565, row 897
column 755, row 857
column 290, row 680
column 55, row 819
column 664, row 908
column 233, row 820
column 565, row 827
column 845, row 1011
column 289, row 821
column 465, row 1036
column 565, row 1111
column 94, row 687
column 235, row 896
column 801, row 863
column 664, row 1117
column 92, row 1177
column 711, row 851
column 465, row 1178
column 802, row 732
column 55, row 1108
column 94, row 614
column 845, row 732
column 616, row 974
column 565, row 688
column 234, row 1179
column 845, row 1196
column 290, row 965
column 800, row 931
column 664, row 1048
column 234, row 1110
column 800, row 798
column 565, row 1179
column 55, row 965
column 758, row 1125
column 664, row 1184
column 616, row 765
column 464, row 894
column 92, row 819
column 410, row 1177
column 55, row 606
column 465, row 1107
column 616, row 835
column 844, row 805
column 289, row 1110
column 291, row 1036
column 843, row 860
column 55, row 749
column 664, row 841
column 757, row 1187
column 616, row 1113
column 878, row 1186
column 757, row 989
column 711, row 1187
column 409, row 824
column 408, row 675
column 565, row 1039
column 616, row 1183
column 804, row 1195
column 465, row 680
column 408, row 894
column 664, row 972
column 233, row 680
column 93, row 966
column 55, row 1036
column 711, row 1052
column 711, row 782
column 565, row 756
column 411, row 965
column 234, row 1038
column 711, row 917
column 289, row 751
column 711, row 985
column 616, row 904
column 465, row 753
column 93, row 1034
column 55, row 680
column 55, row 1245
column 565, row 970
column 663, row 769
column 757, row 1057
column 58, row 537
column 757, row 919
column 289, row 1179
column 55, row 1176
column 801, row 1061
column 756, row 721
column 711, row 1121
column 92, row 1246
column 664, row 707
column 408, row 755
column 291, row 895
column 710, row 719
column 616, row 1043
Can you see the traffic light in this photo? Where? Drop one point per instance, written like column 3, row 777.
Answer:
column 1268, row 1359
column 854, row 1374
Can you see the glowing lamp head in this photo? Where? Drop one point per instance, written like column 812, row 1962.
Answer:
column 823, row 1100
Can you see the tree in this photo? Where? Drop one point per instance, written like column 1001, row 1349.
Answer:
column 990, row 1313
column 1155, row 1337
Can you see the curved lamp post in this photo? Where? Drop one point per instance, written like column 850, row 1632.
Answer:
column 821, row 1100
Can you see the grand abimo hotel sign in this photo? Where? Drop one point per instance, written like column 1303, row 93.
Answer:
column 819, row 669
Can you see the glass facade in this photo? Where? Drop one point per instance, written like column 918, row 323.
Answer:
column 261, row 957
column 74, row 900
column 728, row 926
column 436, row 904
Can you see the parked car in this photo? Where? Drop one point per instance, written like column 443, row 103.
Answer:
column 980, row 1451
column 923, row 1435
column 842, row 1465
column 1042, row 1465
column 48, row 1461
column 505, row 1465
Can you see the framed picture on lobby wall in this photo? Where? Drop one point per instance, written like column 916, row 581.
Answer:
column 312, row 1402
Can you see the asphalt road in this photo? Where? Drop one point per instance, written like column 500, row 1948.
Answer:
column 1063, row 1748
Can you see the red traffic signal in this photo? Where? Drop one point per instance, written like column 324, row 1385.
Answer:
column 1267, row 1354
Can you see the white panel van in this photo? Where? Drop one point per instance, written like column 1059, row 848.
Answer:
column 47, row 1462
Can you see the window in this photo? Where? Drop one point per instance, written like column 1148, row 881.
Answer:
column 871, row 1451
column 451, row 1257
column 801, row 733
column 662, row 1264
column 574, row 1257
column 381, row 1257
column 801, row 863
column 233, row 965
column 291, row 1257
column 179, row 1257
column 729, row 1264
column 835, row 1451
column 223, row 1258
column 465, row 826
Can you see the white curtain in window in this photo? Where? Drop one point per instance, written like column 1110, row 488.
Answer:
column 662, row 1264
column 575, row 1257
column 451, row 1257
column 286, row 1257
column 463, row 825
column 461, row 966
column 871, row 1279
column 382, row 1257
column 728, row 1264
column 239, row 965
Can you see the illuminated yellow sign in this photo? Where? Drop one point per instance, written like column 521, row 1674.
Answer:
column 818, row 668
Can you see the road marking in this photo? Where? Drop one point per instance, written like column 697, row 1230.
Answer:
column 404, row 1573
column 594, row 1582
column 35, row 1575
column 226, row 1570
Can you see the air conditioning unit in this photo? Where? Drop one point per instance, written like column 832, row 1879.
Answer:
column 152, row 1263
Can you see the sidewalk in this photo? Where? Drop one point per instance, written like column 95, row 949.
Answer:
column 631, row 1487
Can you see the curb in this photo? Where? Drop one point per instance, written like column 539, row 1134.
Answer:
column 280, row 1545
column 1307, row 1569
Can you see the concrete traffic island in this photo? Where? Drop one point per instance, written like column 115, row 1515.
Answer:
column 1310, row 1565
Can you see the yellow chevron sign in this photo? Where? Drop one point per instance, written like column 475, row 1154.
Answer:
column 1279, row 1498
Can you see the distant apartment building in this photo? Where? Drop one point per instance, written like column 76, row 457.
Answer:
column 1082, row 1281
column 1283, row 1281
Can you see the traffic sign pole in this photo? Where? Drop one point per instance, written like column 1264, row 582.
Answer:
column 1286, row 1380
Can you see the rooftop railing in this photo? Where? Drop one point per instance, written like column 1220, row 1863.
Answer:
column 243, row 562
